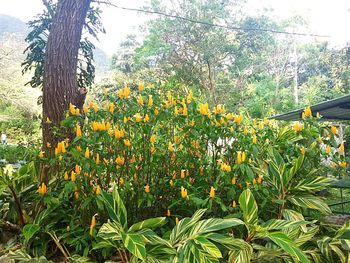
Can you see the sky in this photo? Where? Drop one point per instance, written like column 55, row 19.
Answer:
column 325, row 17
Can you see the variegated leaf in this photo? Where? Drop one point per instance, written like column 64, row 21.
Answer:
column 249, row 207
column 311, row 202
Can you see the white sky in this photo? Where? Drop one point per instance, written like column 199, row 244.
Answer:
column 325, row 17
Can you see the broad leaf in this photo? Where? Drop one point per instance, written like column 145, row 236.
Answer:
column 110, row 231
column 214, row 224
column 279, row 224
column 134, row 243
column 249, row 207
column 148, row 223
column 208, row 246
column 29, row 231
column 311, row 202
column 313, row 184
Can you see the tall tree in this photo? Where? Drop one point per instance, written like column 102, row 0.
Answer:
column 60, row 87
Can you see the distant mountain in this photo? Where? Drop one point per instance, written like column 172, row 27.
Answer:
column 13, row 25
column 10, row 24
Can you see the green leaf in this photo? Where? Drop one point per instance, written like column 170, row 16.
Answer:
column 29, row 231
column 208, row 247
column 313, row 184
column 297, row 164
column 286, row 244
column 241, row 255
column 110, row 231
column 134, row 243
column 148, row 223
column 311, row 202
column 279, row 224
column 249, row 207
column 214, row 224
column 226, row 241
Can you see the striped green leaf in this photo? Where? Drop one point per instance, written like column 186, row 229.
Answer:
column 148, row 223
column 278, row 224
column 249, row 207
column 208, row 246
column 292, row 215
column 242, row 255
column 286, row 244
column 313, row 184
column 214, row 224
column 184, row 225
column 110, row 231
column 312, row 202
column 296, row 165
column 134, row 244
column 226, row 241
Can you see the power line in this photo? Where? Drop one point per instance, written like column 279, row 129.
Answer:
column 211, row 24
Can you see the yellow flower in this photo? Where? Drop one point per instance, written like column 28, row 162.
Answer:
column 254, row 139
column 66, row 176
column 238, row 118
column 78, row 130
column 119, row 161
column 245, row 131
column 42, row 190
column 121, row 181
column 95, row 107
column 72, row 176
column 318, row 115
column 183, row 174
column 146, row 118
column 176, row 111
column 87, row 153
column 171, row 182
column 189, row 96
column 307, row 112
column 168, row 213
column 85, row 109
column 48, row 120
column 234, row 180
column 298, row 126
column 111, row 107
column 170, row 147
column 105, row 161
column 254, row 181
column 137, row 117
column 147, row 190
column 41, row 154
column 343, row 164
column 152, row 139
column 141, row 86
column 204, row 109
column 183, row 192
column 71, row 108
column 341, row 149
column 78, row 148
column 243, row 156
column 124, row 93
column 334, row 130
column 140, row 100
column 212, row 192
column 177, row 221
column 328, row 149
column 156, row 111
column 76, row 194
column 118, row 133
column 239, row 157
column 234, row 204
column 97, row 159
column 77, row 169
column 92, row 224
column 98, row 190
column 127, row 143
column 302, row 150
column 259, row 179
column 150, row 101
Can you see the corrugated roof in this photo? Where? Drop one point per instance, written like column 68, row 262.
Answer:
column 335, row 109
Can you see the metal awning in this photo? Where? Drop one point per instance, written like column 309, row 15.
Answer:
column 336, row 109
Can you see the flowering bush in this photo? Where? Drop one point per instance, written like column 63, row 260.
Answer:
column 170, row 155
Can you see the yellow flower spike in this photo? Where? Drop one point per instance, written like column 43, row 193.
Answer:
column 156, row 111
column 147, row 189
column 150, row 101
column 204, row 109
column 318, row 115
column 48, row 120
column 66, row 177
column 234, row 205
column 76, row 194
column 146, row 118
column 41, row 154
column 255, row 139
column 176, row 111
column 170, row 147
column 189, row 97
column 341, row 149
column 334, row 130
column 98, row 190
column 328, row 149
column 67, row 115
column 307, row 112
column 127, row 142
column 71, row 108
column 302, row 150
column 78, row 148
column 212, row 192
column 168, row 213
column 138, row 117
column 77, row 169
column 259, row 179
column 48, row 145
column 141, row 86
column 95, row 107
column 85, row 109
column 245, row 131
column 92, row 224
column 238, row 118
column 72, row 176
column 177, row 221
column 97, row 159
column 243, row 157
column 152, row 139
column 119, row 160
column 78, row 130
column 182, row 174
column 298, row 126
column 261, row 125
column 86, row 175
column 254, row 181
column 121, row 182
column 87, row 153
column 342, row 164
column 239, row 157
column 152, row 149
column 183, row 192
column 105, row 161
column 140, row 100
column 234, row 180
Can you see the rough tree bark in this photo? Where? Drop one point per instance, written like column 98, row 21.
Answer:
column 60, row 70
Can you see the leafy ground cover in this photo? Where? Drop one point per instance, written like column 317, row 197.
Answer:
column 153, row 176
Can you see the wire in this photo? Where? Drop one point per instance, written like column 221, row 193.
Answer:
column 211, row 24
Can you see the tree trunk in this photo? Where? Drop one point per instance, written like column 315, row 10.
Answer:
column 60, row 69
